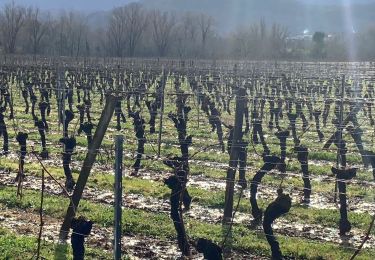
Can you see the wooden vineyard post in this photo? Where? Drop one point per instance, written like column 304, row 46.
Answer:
column 198, row 100
column 119, row 141
column 61, row 97
column 59, row 94
column 198, row 111
column 105, row 118
column 163, row 83
column 63, row 93
column 341, row 119
column 240, row 106
column 340, row 129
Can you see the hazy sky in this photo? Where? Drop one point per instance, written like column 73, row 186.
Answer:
column 95, row 5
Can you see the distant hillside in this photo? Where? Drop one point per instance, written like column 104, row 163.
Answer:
column 330, row 2
column 297, row 15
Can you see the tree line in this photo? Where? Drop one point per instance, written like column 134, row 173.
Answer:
column 135, row 31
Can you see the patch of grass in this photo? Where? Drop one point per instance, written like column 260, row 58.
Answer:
column 14, row 246
column 216, row 199
column 160, row 226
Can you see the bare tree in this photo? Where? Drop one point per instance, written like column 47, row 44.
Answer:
column 257, row 42
column 36, row 28
column 126, row 26
column 262, row 28
column 257, row 33
column 11, row 21
column 100, row 45
column 277, row 40
column 116, row 31
column 71, row 31
column 261, row 41
column 186, row 35
column 135, row 25
column 80, row 32
column 205, row 23
column 247, row 42
column 162, row 27
column 241, row 45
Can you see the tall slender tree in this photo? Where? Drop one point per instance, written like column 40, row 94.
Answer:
column 162, row 29
column 36, row 28
column 12, row 18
